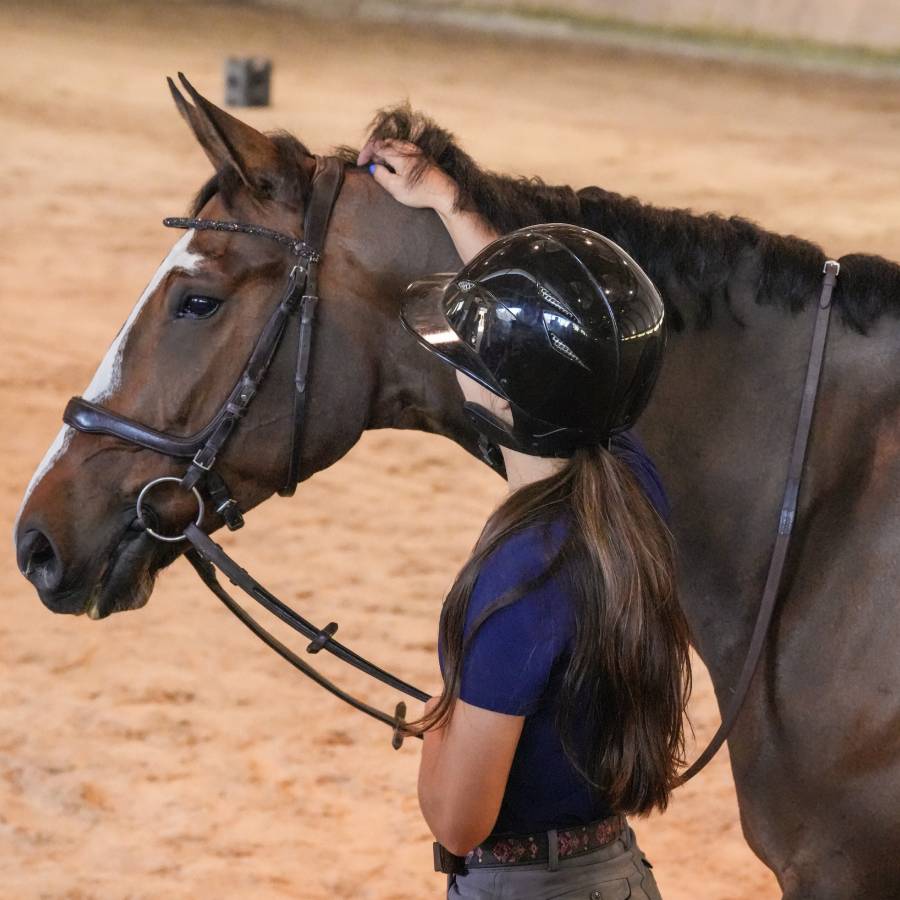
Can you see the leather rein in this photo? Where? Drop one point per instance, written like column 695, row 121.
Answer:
column 299, row 299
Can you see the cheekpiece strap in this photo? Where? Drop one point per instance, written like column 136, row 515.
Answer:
column 297, row 246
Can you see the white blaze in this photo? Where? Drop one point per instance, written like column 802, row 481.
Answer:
column 107, row 379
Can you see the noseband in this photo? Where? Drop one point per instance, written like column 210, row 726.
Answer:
column 203, row 448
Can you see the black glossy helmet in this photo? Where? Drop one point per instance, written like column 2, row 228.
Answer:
column 556, row 319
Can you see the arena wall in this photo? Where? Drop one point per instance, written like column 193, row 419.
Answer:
column 871, row 24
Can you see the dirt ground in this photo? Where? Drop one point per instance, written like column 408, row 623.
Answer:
column 166, row 753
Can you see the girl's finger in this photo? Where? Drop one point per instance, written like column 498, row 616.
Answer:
column 388, row 152
column 397, row 151
column 405, row 148
column 394, row 162
column 381, row 163
column 385, row 178
column 370, row 149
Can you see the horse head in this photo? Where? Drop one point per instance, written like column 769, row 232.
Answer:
column 186, row 343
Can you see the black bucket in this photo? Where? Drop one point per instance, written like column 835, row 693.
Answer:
column 247, row 81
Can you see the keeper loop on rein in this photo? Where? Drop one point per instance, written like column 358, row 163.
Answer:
column 322, row 638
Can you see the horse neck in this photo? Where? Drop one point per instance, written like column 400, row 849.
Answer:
column 721, row 426
column 721, row 423
column 391, row 246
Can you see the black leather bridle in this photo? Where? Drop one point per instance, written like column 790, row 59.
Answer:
column 300, row 296
column 203, row 448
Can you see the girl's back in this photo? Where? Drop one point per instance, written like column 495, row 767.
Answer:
column 517, row 658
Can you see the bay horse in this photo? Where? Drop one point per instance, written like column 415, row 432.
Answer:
column 816, row 750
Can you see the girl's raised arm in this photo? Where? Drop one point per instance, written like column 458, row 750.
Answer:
column 419, row 183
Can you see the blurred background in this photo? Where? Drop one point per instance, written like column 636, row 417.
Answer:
column 167, row 753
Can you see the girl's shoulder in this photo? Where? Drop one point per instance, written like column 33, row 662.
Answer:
column 513, row 650
column 526, row 552
column 520, row 558
column 521, row 637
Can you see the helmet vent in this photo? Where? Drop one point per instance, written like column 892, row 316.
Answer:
column 561, row 347
column 465, row 285
column 557, row 304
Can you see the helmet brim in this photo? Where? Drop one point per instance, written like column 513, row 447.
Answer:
column 422, row 314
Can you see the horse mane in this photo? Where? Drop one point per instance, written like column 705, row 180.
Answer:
column 699, row 262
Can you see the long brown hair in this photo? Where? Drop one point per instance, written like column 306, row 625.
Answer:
column 629, row 673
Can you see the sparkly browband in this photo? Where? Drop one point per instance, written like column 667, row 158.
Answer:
column 301, row 248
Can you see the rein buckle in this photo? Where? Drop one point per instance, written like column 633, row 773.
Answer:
column 230, row 512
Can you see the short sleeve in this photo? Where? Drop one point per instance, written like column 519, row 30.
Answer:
column 507, row 665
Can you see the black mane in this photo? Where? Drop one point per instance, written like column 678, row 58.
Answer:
column 699, row 262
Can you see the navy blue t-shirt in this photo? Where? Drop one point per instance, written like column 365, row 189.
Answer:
column 517, row 658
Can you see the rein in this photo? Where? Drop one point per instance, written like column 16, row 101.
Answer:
column 203, row 448
column 786, row 521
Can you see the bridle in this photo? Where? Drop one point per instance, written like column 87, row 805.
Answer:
column 300, row 296
column 203, row 448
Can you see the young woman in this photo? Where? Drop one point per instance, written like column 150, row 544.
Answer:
column 562, row 645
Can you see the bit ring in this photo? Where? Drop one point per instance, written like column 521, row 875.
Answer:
column 201, row 511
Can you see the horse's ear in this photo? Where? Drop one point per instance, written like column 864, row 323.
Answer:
column 208, row 140
column 227, row 141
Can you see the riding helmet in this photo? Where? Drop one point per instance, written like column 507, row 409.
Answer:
column 559, row 321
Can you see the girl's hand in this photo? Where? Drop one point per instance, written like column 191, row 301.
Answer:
column 415, row 181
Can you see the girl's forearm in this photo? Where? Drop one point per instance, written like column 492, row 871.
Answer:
column 469, row 230
column 433, row 188
column 429, row 778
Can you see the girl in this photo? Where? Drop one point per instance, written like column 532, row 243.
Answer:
column 562, row 645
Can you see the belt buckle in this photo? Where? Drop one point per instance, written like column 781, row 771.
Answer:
column 447, row 862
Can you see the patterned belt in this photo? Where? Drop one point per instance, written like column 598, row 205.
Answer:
column 528, row 849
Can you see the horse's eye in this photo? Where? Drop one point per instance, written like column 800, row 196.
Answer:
column 196, row 306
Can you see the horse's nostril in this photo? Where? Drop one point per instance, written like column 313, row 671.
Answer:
column 38, row 561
